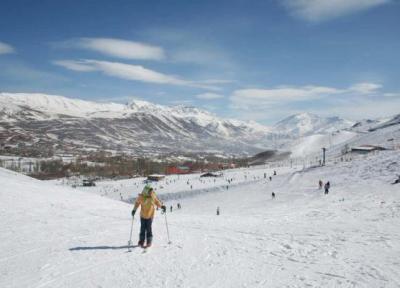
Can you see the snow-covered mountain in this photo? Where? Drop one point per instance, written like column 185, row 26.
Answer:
column 304, row 124
column 48, row 123
column 394, row 121
column 138, row 127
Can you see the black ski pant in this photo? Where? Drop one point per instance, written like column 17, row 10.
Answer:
column 145, row 230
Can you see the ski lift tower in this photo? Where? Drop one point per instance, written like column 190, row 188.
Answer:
column 323, row 156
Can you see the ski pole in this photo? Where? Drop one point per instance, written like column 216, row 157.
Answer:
column 130, row 236
column 166, row 225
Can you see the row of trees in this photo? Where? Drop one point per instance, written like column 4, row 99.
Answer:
column 119, row 166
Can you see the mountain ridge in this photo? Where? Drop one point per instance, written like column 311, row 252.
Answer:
column 58, row 123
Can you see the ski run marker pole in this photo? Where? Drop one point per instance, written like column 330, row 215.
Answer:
column 166, row 225
column 130, row 237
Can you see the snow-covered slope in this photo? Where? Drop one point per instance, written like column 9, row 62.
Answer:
column 59, row 237
column 312, row 144
column 304, row 124
column 54, row 106
column 395, row 121
column 365, row 125
column 139, row 127
column 387, row 137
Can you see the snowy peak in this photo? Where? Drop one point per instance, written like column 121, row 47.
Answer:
column 304, row 124
column 43, row 106
column 140, row 106
column 53, row 105
column 137, row 127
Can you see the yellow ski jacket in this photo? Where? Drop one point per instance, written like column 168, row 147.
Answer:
column 146, row 203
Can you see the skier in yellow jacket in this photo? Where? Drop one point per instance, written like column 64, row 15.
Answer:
column 146, row 200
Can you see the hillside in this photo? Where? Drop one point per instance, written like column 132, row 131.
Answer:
column 139, row 127
column 304, row 124
column 40, row 125
column 59, row 237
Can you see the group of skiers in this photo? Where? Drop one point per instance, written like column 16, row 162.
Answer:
column 178, row 206
column 327, row 186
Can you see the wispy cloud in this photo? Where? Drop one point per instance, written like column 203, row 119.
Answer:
column 202, row 54
column 128, row 72
column 356, row 101
column 365, row 88
column 322, row 10
column 118, row 48
column 209, row 96
column 81, row 66
column 6, row 48
column 266, row 97
column 17, row 71
column 190, row 47
column 181, row 102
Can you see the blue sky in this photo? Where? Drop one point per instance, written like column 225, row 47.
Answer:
column 251, row 60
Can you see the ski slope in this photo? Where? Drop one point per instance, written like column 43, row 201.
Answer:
column 55, row 236
column 312, row 144
column 177, row 186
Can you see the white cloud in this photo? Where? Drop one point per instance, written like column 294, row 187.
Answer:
column 217, row 81
column 128, row 72
column 202, row 54
column 321, row 10
column 81, row 66
column 116, row 48
column 361, row 108
column 189, row 47
column 365, row 88
column 267, row 97
column 181, row 102
column 392, row 94
column 361, row 100
column 6, row 48
column 209, row 96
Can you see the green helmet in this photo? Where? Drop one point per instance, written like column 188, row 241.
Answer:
column 146, row 190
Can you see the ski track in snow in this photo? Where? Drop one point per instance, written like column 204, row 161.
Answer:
column 53, row 236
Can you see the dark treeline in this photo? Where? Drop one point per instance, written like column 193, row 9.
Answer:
column 126, row 166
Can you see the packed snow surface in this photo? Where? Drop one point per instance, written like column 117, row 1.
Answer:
column 55, row 236
column 311, row 144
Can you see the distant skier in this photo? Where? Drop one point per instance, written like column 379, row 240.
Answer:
column 270, row 178
column 170, row 208
column 273, row 195
column 274, row 173
column 320, row 183
column 179, row 205
column 146, row 200
column 217, row 211
column 326, row 187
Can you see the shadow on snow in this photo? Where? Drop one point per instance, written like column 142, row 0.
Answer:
column 102, row 248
